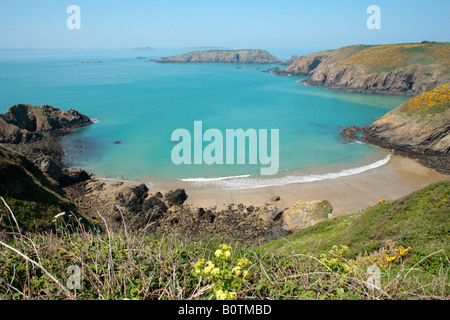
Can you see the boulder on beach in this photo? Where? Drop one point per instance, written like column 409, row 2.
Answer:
column 305, row 214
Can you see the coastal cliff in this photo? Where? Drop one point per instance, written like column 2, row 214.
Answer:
column 34, row 198
column 35, row 132
column 418, row 128
column 397, row 69
column 256, row 56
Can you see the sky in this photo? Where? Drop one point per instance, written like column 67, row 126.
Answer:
column 280, row 24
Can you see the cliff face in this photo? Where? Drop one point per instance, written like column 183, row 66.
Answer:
column 255, row 56
column 34, row 199
column 401, row 69
column 419, row 128
column 25, row 123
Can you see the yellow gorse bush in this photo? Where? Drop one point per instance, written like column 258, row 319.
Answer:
column 386, row 256
column 437, row 99
column 396, row 56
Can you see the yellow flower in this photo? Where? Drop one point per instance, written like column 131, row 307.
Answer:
column 225, row 247
column 220, row 295
column 218, row 253
column 215, row 271
column 237, row 270
column 243, row 262
column 209, row 267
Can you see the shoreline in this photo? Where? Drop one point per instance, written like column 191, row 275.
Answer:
column 398, row 177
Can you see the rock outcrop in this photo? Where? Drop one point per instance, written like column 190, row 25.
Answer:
column 177, row 197
column 255, row 56
column 25, row 123
column 400, row 69
column 304, row 214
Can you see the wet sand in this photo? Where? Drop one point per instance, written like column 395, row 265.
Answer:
column 398, row 177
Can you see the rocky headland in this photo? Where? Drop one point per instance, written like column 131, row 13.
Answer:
column 418, row 128
column 254, row 56
column 395, row 69
column 35, row 131
column 27, row 123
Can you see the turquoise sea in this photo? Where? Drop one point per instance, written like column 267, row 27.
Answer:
column 140, row 103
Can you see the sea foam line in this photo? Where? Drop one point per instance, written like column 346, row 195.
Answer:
column 245, row 182
column 214, row 179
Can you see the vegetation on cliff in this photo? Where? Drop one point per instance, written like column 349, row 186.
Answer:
column 431, row 102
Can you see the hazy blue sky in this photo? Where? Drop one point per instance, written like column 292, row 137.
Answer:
column 283, row 24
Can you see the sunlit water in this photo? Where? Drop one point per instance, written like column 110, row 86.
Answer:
column 140, row 103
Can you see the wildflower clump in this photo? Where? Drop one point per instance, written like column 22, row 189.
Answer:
column 226, row 274
column 335, row 260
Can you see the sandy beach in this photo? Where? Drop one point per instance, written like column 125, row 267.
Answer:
column 398, row 177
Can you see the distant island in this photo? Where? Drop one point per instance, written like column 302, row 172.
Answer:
column 406, row 69
column 143, row 49
column 256, row 56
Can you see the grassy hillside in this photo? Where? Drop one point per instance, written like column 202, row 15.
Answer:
column 420, row 221
column 408, row 239
column 385, row 58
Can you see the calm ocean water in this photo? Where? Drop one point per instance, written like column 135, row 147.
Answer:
column 140, row 103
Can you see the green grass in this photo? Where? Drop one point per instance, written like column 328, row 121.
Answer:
column 120, row 265
column 420, row 221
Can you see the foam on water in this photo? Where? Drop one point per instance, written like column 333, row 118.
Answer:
column 247, row 182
